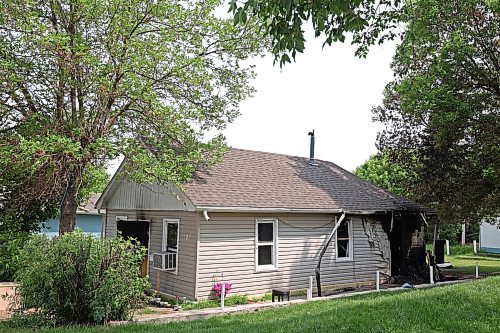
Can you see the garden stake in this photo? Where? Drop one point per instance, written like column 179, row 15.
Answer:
column 222, row 295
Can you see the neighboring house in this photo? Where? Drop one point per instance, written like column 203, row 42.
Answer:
column 88, row 219
column 489, row 237
column 260, row 220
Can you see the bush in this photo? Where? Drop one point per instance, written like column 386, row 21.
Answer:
column 11, row 244
column 461, row 250
column 78, row 279
column 16, row 226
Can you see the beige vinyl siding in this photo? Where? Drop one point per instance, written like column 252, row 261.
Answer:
column 183, row 283
column 130, row 195
column 227, row 248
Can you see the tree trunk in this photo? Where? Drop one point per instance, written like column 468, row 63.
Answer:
column 69, row 202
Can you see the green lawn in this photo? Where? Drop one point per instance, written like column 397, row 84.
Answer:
column 467, row 263
column 468, row 307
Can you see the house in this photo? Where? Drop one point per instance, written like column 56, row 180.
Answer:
column 88, row 219
column 261, row 220
column 489, row 236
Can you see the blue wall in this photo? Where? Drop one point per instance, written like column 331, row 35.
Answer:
column 89, row 224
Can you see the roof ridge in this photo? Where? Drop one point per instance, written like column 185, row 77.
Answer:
column 287, row 155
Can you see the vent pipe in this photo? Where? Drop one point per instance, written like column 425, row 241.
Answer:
column 312, row 161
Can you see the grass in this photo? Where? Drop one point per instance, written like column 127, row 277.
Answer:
column 467, row 307
column 147, row 311
column 467, row 264
column 464, row 260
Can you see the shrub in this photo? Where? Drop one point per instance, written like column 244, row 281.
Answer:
column 78, row 279
column 16, row 226
column 461, row 250
column 11, row 244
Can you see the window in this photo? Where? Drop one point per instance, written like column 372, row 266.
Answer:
column 170, row 240
column 344, row 241
column 266, row 242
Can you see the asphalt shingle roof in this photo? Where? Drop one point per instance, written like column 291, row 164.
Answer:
column 256, row 179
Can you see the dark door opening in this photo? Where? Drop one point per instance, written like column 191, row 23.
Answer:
column 407, row 248
column 137, row 231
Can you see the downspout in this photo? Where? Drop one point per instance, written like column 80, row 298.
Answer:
column 322, row 253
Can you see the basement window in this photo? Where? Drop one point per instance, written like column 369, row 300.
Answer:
column 266, row 242
column 343, row 249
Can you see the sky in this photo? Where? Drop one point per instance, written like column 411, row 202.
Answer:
column 328, row 90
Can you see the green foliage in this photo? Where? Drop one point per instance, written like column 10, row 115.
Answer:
column 451, row 232
column 457, row 250
column 79, row 279
column 205, row 304
column 368, row 21
column 94, row 180
column 10, row 245
column 16, row 225
column 83, row 82
column 441, row 113
column 379, row 171
column 236, row 300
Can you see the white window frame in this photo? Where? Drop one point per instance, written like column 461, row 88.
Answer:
column 167, row 221
column 274, row 243
column 351, row 248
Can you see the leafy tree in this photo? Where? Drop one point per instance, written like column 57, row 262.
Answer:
column 369, row 22
column 379, row 170
column 82, row 82
column 94, row 181
column 441, row 113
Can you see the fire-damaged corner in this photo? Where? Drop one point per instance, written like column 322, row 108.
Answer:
column 406, row 232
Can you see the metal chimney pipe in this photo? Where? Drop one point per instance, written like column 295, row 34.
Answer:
column 311, row 149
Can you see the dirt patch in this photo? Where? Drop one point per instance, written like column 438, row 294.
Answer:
column 4, row 315
column 152, row 311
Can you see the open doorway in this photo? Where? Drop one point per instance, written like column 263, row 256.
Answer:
column 408, row 247
column 137, row 231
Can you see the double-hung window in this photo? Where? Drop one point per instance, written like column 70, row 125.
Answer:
column 344, row 241
column 170, row 241
column 266, row 244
